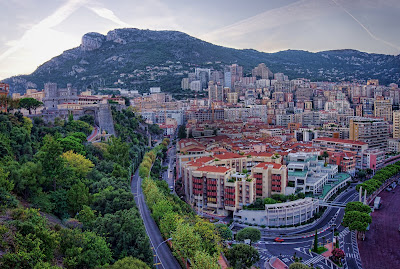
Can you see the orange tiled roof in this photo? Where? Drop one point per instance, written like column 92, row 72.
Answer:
column 228, row 155
column 214, row 169
column 264, row 165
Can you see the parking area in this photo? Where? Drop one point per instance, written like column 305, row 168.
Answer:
column 381, row 248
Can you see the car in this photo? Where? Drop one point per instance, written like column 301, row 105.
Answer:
column 278, row 239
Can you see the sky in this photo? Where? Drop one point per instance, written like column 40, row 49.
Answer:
column 34, row 31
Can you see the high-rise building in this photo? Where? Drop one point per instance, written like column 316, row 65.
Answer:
column 228, row 79
column 383, row 109
column 195, row 85
column 215, row 92
column 232, row 97
column 236, row 73
column 374, row 132
column 203, row 75
column 396, row 124
column 185, row 84
column 262, row 71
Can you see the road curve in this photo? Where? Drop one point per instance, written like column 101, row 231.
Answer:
column 164, row 257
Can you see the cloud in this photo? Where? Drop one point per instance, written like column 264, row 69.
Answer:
column 366, row 29
column 295, row 12
column 109, row 15
column 37, row 31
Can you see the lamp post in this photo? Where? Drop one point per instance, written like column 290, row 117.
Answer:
column 169, row 239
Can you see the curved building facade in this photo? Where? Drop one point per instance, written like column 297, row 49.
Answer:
column 289, row 213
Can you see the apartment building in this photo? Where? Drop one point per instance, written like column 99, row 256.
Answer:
column 396, row 124
column 342, row 145
column 271, row 178
column 374, row 132
column 383, row 109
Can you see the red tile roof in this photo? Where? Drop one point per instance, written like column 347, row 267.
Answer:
column 265, row 165
column 195, row 149
column 263, row 154
column 214, row 169
column 228, row 155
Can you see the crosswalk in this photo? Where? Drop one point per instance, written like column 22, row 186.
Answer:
column 343, row 233
column 352, row 255
column 314, row 260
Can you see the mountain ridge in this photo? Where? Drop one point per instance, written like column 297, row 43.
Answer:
column 106, row 59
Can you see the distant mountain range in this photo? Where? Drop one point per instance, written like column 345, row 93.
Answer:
column 133, row 58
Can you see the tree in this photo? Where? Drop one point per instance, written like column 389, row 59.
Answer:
column 203, row 260
column 298, row 265
column 112, row 199
column 361, row 174
column 242, row 256
column 29, row 104
column 325, row 155
column 357, row 206
column 77, row 196
column 84, row 249
column 182, row 132
column 5, row 184
column 78, row 163
column 185, row 241
column 315, row 245
column 338, row 255
column 125, row 233
column 129, row 263
column 357, row 220
column 169, row 222
column 49, row 156
column 210, row 239
column 87, row 216
column 118, row 152
column 249, row 233
column 160, row 208
column 224, row 231
column 352, row 216
column 71, row 143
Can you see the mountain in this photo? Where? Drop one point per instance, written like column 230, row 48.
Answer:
column 136, row 59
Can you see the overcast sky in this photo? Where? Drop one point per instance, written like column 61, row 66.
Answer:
column 34, row 31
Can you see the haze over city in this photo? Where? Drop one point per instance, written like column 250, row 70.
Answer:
column 32, row 34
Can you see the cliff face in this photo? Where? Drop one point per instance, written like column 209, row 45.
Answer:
column 92, row 41
column 132, row 57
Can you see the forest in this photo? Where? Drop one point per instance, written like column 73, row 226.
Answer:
column 66, row 203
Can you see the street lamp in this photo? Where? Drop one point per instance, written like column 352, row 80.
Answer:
column 169, row 239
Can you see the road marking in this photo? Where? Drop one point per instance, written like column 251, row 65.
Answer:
column 314, row 260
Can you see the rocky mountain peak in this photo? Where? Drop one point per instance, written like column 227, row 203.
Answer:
column 92, row 41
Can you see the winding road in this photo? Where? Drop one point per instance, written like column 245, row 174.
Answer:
column 163, row 258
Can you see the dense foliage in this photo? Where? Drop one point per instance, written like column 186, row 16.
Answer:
column 75, row 184
column 379, row 178
column 193, row 238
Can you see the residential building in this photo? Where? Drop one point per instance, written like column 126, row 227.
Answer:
column 396, row 124
column 375, row 132
column 383, row 109
column 271, row 178
column 342, row 145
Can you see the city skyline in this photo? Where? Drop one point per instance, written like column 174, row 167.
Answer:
column 267, row 26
